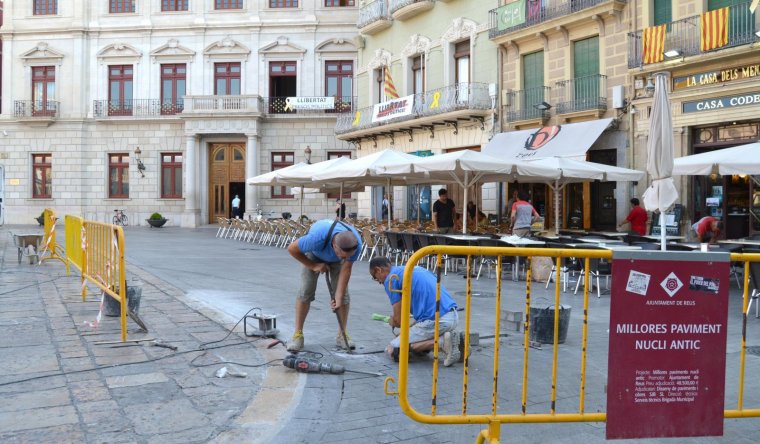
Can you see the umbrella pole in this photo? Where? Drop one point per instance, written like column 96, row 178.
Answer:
column 419, row 192
column 464, row 207
column 556, row 207
column 299, row 216
column 390, row 207
column 662, row 231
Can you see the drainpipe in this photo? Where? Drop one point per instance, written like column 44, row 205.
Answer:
column 632, row 117
column 500, row 57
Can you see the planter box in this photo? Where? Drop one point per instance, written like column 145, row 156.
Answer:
column 156, row 223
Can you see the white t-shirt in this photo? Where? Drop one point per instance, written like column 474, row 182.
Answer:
column 236, row 202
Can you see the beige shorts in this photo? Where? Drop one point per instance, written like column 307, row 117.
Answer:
column 310, row 278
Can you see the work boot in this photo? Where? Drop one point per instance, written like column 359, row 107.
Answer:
column 296, row 342
column 451, row 348
column 341, row 342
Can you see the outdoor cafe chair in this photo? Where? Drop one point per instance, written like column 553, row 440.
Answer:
column 568, row 266
column 597, row 268
column 754, row 279
column 395, row 245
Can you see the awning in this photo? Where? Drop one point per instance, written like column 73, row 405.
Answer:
column 570, row 140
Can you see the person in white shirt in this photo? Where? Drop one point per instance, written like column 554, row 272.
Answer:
column 236, row 207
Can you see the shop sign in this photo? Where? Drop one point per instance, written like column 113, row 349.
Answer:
column 293, row 103
column 392, row 108
column 511, row 15
column 422, row 153
column 722, row 102
column 667, row 346
column 716, row 76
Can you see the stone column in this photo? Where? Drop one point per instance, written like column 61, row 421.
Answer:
column 251, row 169
column 191, row 216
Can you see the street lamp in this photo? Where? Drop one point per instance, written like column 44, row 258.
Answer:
column 140, row 165
column 307, row 153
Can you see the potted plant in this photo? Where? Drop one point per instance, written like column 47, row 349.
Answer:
column 41, row 218
column 156, row 220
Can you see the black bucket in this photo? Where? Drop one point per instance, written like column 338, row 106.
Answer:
column 112, row 307
column 542, row 324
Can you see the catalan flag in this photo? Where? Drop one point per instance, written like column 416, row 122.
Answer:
column 654, row 44
column 714, row 29
column 390, row 89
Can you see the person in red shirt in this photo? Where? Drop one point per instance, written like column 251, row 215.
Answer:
column 707, row 229
column 637, row 218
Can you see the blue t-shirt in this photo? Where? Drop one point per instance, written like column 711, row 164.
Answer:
column 314, row 241
column 423, row 293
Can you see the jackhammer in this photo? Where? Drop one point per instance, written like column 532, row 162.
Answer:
column 311, row 365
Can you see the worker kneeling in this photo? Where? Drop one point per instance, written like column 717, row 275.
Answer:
column 423, row 306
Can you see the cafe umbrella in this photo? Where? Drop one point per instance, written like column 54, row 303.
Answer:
column 662, row 193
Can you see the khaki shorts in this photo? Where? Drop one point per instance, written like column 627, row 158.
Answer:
column 310, row 278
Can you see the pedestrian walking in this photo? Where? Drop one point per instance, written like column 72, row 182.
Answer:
column 236, row 207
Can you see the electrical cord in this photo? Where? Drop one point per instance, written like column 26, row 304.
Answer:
column 201, row 348
column 30, row 285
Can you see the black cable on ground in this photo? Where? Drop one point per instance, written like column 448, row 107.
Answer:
column 30, row 285
column 201, row 348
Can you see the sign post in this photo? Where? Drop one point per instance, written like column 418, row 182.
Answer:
column 667, row 355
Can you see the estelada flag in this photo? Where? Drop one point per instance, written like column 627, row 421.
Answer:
column 654, row 44
column 714, row 32
column 390, row 89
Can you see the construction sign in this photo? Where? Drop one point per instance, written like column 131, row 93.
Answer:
column 667, row 347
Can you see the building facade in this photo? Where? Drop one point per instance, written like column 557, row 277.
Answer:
column 168, row 106
column 439, row 59
column 563, row 62
column 714, row 88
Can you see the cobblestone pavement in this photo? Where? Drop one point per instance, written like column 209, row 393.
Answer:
column 197, row 286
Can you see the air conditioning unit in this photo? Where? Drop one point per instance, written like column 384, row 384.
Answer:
column 618, row 96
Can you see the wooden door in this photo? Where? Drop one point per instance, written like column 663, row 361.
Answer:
column 226, row 165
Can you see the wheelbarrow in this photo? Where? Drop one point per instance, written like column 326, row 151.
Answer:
column 28, row 245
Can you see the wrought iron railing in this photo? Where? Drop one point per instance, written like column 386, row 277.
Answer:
column 35, row 108
column 538, row 12
column 372, row 12
column 582, row 93
column 460, row 96
column 281, row 105
column 684, row 36
column 521, row 104
column 137, row 107
column 225, row 104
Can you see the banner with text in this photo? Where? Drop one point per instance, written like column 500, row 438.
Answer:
column 292, row 103
column 667, row 348
column 511, row 15
column 393, row 108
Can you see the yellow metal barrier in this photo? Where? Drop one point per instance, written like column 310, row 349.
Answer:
column 494, row 419
column 97, row 250
column 75, row 246
column 51, row 250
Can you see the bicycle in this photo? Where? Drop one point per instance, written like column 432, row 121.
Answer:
column 120, row 218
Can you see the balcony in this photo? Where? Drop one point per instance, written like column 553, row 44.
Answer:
column 406, row 9
column 441, row 106
column 684, row 35
column 520, row 105
column 559, row 12
column 374, row 17
column 582, row 95
column 35, row 109
column 221, row 105
column 282, row 105
column 136, row 108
